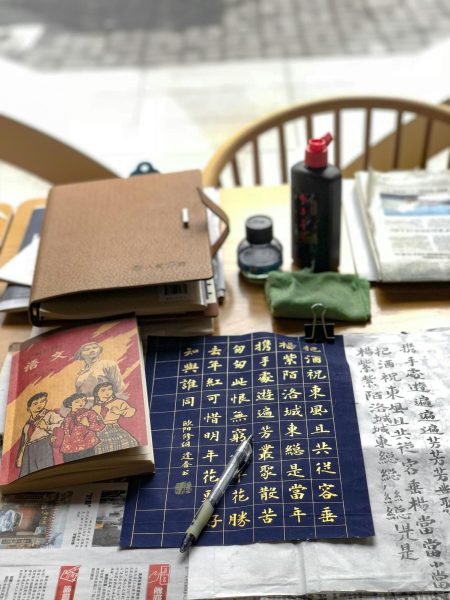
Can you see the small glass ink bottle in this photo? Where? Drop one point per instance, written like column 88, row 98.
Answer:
column 260, row 252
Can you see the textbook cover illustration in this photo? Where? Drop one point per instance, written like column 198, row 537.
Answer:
column 76, row 394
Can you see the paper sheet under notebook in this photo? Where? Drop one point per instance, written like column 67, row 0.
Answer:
column 306, row 479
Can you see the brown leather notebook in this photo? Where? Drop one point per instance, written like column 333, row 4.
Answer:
column 107, row 244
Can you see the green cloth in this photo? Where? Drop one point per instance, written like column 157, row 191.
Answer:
column 346, row 297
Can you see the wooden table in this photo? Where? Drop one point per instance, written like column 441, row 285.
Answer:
column 395, row 307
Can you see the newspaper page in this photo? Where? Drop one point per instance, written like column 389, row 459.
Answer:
column 401, row 384
column 63, row 545
column 409, row 214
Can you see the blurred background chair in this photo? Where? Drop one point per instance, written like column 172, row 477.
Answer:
column 376, row 132
column 46, row 157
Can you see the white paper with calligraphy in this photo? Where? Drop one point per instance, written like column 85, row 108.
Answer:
column 402, row 390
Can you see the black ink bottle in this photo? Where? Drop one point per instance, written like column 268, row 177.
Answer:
column 316, row 209
column 260, row 252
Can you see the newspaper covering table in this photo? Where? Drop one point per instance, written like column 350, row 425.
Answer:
column 63, row 544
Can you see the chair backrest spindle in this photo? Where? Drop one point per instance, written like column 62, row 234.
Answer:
column 397, row 140
column 337, row 138
column 256, row 162
column 309, row 127
column 367, row 137
column 236, row 173
column 283, row 154
column 426, row 143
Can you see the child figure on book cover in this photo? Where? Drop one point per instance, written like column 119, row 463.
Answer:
column 52, row 418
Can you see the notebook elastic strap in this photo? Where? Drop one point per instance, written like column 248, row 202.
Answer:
column 222, row 216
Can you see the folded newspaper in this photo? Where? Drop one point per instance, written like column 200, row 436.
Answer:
column 406, row 215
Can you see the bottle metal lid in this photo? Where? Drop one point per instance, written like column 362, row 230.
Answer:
column 259, row 229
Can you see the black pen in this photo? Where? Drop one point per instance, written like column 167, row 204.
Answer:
column 237, row 464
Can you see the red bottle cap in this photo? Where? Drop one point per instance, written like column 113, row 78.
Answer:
column 316, row 154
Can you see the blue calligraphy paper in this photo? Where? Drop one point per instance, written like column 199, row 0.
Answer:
column 206, row 394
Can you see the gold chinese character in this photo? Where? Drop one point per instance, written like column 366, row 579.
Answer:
column 289, row 359
column 212, row 398
column 215, row 351
column 265, row 452
column 238, row 519
column 267, row 515
column 326, row 492
column 213, row 436
column 319, row 429
column 289, row 374
column 297, row 491
column 315, row 392
column 214, row 365
column 266, row 471
column 265, row 432
column 189, row 401
column 298, row 514
column 326, row 516
column 239, row 381
column 239, row 495
column 212, row 417
column 264, row 361
column 292, row 430
column 265, row 377
column 210, row 382
column 58, row 354
column 291, row 394
column 190, row 351
column 264, row 413
column 187, row 424
column 294, row 450
column 324, row 467
column 188, row 384
column 315, row 374
column 263, row 345
column 286, row 345
column 214, row 521
column 265, row 394
column 318, row 410
column 210, row 475
column 308, row 348
column 321, row 447
column 210, row 454
column 295, row 471
column 295, row 411
column 190, row 367
column 238, row 416
column 268, row 493
column 238, row 348
column 238, row 435
column 239, row 364
column 239, row 398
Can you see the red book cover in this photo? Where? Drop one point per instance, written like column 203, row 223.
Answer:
column 74, row 393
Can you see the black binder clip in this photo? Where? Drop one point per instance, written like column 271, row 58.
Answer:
column 319, row 331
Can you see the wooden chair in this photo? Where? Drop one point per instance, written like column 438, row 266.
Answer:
column 409, row 144
column 45, row 156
